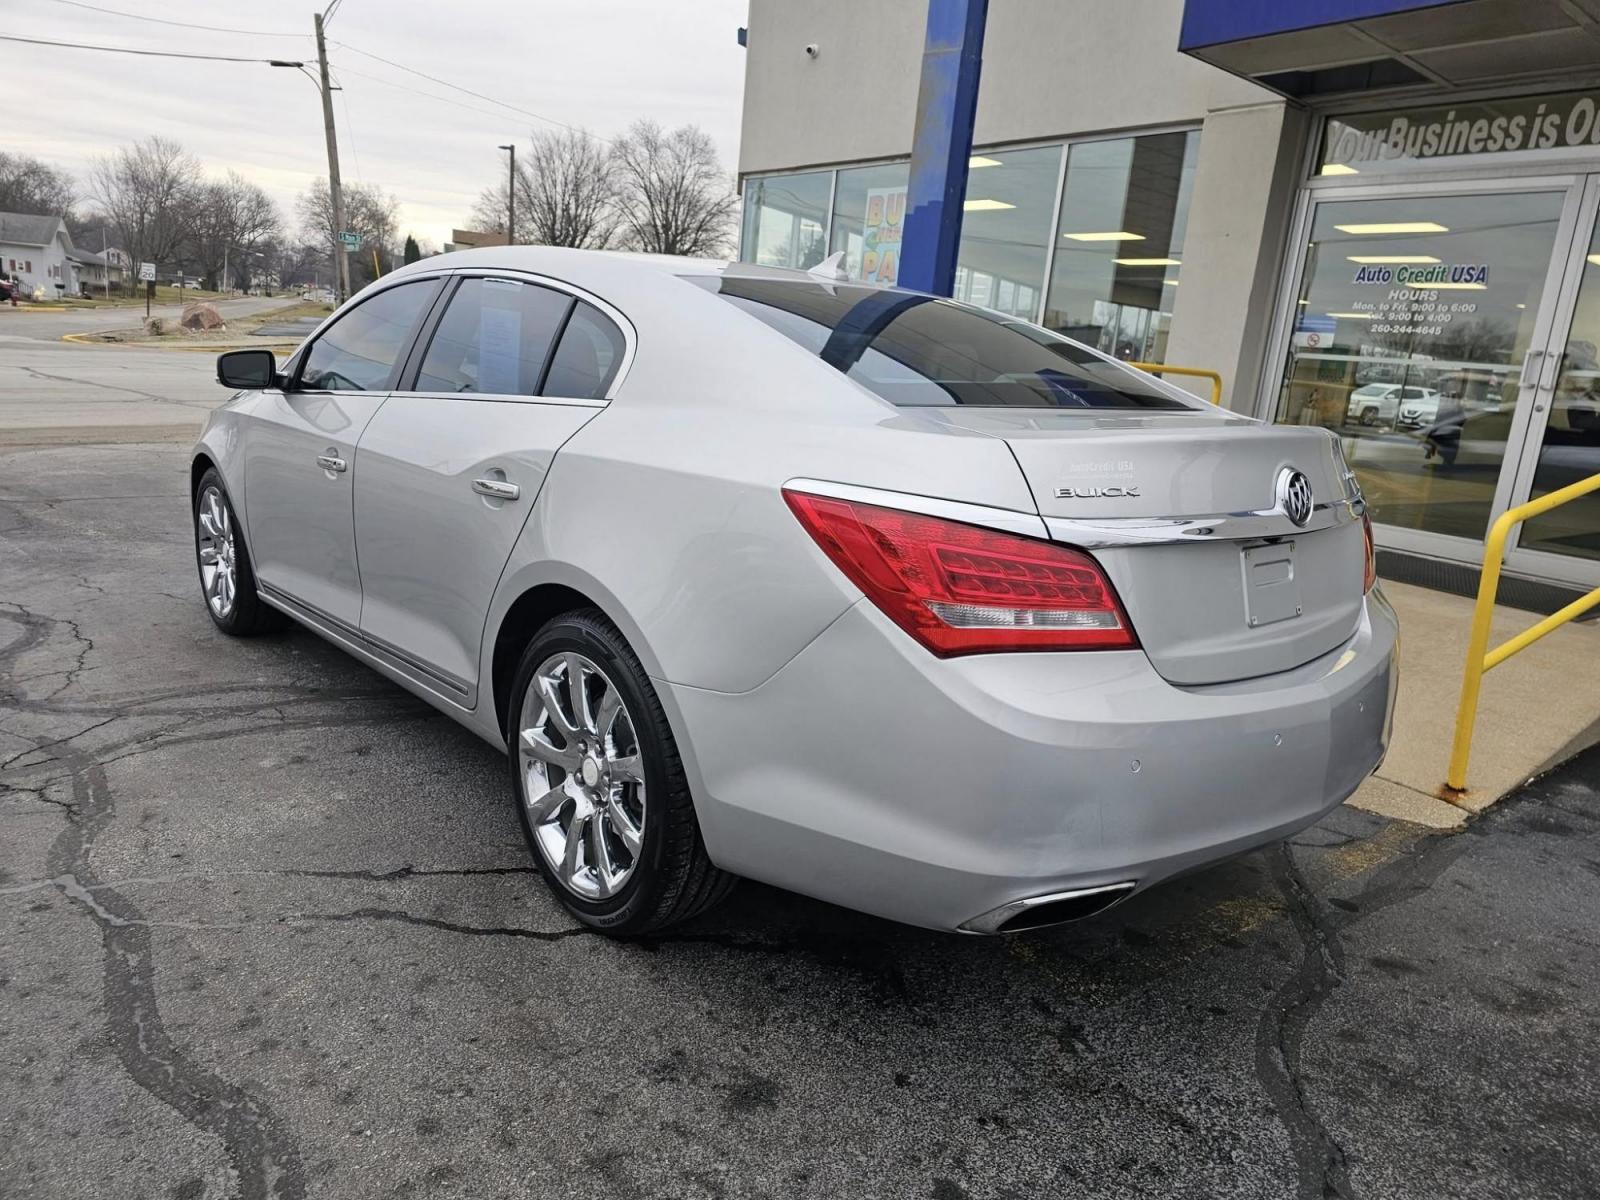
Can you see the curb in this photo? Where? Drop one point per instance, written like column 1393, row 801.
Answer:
column 87, row 339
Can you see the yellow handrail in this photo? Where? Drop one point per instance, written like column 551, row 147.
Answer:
column 1197, row 372
column 1479, row 657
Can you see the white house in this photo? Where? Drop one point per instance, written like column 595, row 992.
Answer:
column 96, row 271
column 38, row 252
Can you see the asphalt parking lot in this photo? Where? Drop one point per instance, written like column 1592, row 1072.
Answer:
column 268, row 928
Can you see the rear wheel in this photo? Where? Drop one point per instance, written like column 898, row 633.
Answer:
column 227, row 583
column 1369, row 416
column 599, row 786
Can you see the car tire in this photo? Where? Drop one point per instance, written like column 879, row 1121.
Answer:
column 227, row 581
column 599, row 786
column 1369, row 416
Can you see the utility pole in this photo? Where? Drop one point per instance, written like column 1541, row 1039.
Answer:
column 105, row 254
column 341, row 262
column 511, row 197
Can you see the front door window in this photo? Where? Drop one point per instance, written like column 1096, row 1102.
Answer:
column 1410, row 340
column 1570, row 448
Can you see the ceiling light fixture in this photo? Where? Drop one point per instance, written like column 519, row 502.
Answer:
column 986, row 205
column 1338, row 169
column 981, row 160
column 1351, row 316
column 1394, row 227
column 1149, row 262
column 1391, row 258
column 1443, row 287
column 1115, row 235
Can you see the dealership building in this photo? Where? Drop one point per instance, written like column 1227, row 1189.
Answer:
column 1378, row 216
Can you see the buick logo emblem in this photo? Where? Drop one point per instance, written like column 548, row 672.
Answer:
column 1294, row 495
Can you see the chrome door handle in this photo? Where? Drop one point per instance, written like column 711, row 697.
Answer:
column 1530, row 368
column 1551, row 375
column 496, row 489
column 330, row 462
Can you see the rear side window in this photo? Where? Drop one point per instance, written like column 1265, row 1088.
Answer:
column 916, row 350
column 588, row 357
column 494, row 338
column 359, row 350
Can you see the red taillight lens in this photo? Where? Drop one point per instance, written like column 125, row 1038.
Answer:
column 961, row 589
column 1370, row 573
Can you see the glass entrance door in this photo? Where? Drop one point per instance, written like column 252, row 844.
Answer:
column 1418, row 320
column 1563, row 441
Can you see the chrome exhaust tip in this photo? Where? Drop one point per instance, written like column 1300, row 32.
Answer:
column 1053, row 908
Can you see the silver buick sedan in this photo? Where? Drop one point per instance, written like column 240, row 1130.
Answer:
column 893, row 601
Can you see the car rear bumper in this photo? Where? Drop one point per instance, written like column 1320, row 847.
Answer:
column 871, row 774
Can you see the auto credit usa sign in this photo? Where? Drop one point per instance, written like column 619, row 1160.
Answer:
column 1395, row 140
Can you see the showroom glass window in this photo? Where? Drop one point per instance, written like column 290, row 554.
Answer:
column 1119, row 242
column 869, row 211
column 786, row 219
column 1005, row 229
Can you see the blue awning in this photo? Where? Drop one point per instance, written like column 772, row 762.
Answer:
column 1314, row 48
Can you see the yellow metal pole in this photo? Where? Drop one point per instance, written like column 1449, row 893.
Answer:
column 1529, row 636
column 1197, row 372
column 1477, row 643
column 1479, row 657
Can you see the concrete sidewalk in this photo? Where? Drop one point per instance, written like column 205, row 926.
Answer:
column 1537, row 708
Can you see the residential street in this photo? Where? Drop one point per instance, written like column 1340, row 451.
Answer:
column 51, row 391
column 269, row 928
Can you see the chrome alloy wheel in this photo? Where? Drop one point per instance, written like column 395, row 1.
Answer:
column 219, row 573
column 582, row 778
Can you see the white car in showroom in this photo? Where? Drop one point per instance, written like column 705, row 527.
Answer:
column 856, row 591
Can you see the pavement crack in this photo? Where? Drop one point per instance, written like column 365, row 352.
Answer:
column 258, row 1144
column 1280, row 1035
column 404, row 918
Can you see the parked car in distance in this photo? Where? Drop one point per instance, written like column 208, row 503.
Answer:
column 1380, row 403
column 1418, row 411
column 860, row 592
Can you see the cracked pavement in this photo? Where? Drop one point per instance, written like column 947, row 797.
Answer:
column 268, row 929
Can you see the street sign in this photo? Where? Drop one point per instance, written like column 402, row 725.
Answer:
column 350, row 240
column 147, row 272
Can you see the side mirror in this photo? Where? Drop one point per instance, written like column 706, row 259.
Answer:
column 247, row 369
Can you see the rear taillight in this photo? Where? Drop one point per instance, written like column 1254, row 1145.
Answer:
column 1370, row 571
column 962, row 589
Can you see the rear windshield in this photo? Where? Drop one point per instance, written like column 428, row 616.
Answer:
column 917, row 351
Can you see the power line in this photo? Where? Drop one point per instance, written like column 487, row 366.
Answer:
column 412, row 91
column 117, row 12
column 465, row 91
column 6, row 37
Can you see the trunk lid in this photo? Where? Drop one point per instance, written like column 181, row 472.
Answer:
column 1213, row 601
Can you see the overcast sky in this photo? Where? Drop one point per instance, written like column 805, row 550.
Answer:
column 594, row 63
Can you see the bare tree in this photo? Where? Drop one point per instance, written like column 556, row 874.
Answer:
column 31, row 185
column 146, row 192
column 673, row 196
column 566, row 193
column 231, row 218
column 368, row 211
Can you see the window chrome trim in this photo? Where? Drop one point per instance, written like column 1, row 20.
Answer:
column 1008, row 520
column 500, row 398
